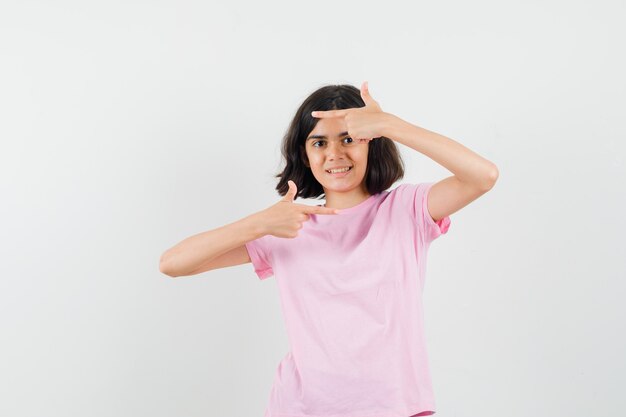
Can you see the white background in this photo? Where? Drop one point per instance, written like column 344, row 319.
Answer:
column 127, row 126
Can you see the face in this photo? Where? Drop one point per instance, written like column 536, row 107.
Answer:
column 333, row 147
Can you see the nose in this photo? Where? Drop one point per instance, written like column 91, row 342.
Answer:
column 334, row 149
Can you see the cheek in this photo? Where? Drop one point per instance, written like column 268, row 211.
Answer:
column 362, row 155
column 314, row 160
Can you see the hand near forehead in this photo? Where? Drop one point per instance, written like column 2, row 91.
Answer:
column 285, row 218
column 363, row 123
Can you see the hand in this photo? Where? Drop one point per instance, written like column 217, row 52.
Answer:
column 285, row 218
column 363, row 123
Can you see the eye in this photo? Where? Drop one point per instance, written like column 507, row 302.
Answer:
column 320, row 141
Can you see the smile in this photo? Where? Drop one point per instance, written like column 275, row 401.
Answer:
column 339, row 172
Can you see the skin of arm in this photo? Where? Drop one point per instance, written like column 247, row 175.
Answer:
column 464, row 163
column 189, row 254
column 473, row 174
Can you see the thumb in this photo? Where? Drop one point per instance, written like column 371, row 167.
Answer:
column 367, row 97
column 291, row 194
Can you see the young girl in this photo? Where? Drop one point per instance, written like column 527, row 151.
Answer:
column 350, row 273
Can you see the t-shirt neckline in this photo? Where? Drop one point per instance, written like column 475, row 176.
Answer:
column 369, row 200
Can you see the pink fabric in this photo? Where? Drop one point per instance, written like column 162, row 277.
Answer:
column 351, row 287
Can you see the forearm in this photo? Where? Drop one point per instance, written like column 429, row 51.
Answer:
column 465, row 164
column 193, row 251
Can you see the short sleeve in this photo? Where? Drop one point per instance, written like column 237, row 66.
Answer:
column 430, row 229
column 260, row 256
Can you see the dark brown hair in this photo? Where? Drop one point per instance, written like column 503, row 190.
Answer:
column 384, row 163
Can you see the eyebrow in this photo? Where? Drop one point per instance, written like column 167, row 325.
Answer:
column 325, row 137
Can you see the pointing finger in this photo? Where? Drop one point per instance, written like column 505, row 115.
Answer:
column 318, row 210
column 330, row 113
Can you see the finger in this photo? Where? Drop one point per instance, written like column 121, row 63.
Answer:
column 365, row 94
column 367, row 97
column 329, row 113
column 318, row 210
column 291, row 193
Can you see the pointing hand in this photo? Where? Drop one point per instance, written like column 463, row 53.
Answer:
column 285, row 218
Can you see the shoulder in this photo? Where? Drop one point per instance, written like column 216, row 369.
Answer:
column 399, row 197
column 409, row 196
column 408, row 191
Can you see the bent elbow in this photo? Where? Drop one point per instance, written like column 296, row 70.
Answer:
column 164, row 270
column 491, row 178
column 165, row 267
column 494, row 174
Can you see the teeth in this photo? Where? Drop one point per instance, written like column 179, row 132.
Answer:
column 334, row 171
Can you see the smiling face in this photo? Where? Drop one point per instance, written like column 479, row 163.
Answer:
column 329, row 146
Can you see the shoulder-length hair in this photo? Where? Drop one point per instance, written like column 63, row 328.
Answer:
column 384, row 163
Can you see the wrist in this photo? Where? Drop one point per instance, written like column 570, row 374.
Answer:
column 390, row 125
column 256, row 225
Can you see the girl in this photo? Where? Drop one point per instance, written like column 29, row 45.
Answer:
column 351, row 272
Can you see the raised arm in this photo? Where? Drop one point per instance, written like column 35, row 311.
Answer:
column 473, row 174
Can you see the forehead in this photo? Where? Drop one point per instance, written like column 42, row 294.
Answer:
column 330, row 128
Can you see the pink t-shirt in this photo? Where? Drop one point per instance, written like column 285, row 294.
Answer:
column 350, row 289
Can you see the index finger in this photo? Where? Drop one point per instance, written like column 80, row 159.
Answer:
column 320, row 114
column 317, row 209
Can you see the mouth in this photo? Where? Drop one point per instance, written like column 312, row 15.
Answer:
column 340, row 173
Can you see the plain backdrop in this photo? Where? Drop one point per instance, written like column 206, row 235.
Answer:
column 127, row 126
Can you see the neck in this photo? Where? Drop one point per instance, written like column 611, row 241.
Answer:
column 345, row 199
